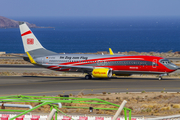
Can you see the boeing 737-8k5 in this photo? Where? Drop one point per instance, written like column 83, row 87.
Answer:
column 98, row 66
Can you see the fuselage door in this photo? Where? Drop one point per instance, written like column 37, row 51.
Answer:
column 154, row 63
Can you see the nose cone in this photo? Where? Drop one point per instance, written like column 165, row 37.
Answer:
column 172, row 66
column 176, row 67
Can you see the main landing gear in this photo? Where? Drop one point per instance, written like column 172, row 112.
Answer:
column 160, row 77
column 88, row 77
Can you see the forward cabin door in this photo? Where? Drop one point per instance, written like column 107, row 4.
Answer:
column 154, row 63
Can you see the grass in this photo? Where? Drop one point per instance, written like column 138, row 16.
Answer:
column 143, row 91
column 141, row 106
column 176, row 106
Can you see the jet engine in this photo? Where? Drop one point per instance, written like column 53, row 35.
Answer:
column 102, row 73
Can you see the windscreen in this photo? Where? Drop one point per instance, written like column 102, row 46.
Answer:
column 164, row 61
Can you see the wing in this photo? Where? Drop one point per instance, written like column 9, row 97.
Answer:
column 80, row 68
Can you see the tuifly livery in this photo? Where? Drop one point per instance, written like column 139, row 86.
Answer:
column 97, row 66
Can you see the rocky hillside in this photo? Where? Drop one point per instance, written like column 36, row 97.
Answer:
column 8, row 23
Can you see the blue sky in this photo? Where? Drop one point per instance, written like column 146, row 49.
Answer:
column 89, row 8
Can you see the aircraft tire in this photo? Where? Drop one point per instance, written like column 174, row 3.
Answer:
column 88, row 77
column 160, row 78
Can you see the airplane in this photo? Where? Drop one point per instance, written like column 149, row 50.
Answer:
column 97, row 66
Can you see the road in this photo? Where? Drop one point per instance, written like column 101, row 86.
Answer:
column 33, row 85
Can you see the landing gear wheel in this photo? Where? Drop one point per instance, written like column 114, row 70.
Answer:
column 160, row 78
column 88, row 77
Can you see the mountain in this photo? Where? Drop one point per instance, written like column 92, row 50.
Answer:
column 9, row 23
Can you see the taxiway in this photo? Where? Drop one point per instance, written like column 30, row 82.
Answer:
column 34, row 85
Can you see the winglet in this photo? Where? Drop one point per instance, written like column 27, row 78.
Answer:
column 110, row 51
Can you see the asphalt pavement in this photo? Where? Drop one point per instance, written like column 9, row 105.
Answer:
column 36, row 85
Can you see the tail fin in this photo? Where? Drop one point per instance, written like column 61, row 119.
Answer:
column 32, row 46
column 110, row 51
column 30, row 42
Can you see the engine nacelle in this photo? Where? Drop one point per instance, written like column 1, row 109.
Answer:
column 102, row 73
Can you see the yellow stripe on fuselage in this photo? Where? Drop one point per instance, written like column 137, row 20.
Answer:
column 30, row 58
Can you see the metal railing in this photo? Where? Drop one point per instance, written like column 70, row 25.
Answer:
column 47, row 100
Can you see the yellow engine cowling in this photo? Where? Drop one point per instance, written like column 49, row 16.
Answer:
column 102, row 73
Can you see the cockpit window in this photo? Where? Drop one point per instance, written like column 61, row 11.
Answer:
column 164, row 61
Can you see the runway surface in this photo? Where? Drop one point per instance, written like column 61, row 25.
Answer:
column 23, row 68
column 18, row 66
column 29, row 85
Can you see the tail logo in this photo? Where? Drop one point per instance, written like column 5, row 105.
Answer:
column 30, row 41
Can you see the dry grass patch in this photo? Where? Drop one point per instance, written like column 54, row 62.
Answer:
column 176, row 106
column 13, row 61
column 152, row 103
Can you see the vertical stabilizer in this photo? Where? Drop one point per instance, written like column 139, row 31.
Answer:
column 32, row 46
column 30, row 42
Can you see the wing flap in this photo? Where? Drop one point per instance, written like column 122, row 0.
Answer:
column 78, row 68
